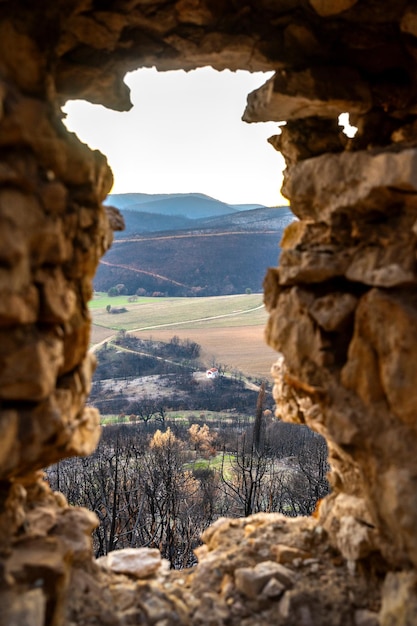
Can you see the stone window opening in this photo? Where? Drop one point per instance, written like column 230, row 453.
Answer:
column 90, row 112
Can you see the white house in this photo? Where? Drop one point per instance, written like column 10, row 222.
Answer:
column 213, row 372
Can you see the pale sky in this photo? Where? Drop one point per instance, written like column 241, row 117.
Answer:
column 185, row 134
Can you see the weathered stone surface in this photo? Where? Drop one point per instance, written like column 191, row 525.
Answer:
column 286, row 555
column 363, row 617
column 21, row 59
column 308, row 138
column 399, row 600
column 324, row 8
column 360, row 181
column 73, row 529
column 314, row 265
column 24, row 609
column 252, row 581
column 318, row 92
column 354, row 539
column 29, row 364
column 334, row 310
column 137, row 562
column 386, row 338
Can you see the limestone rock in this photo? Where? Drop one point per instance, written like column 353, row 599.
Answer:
column 286, row 555
column 382, row 323
column 327, row 7
column 20, row 308
column 313, row 266
column 193, row 12
column 318, row 92
column 399, row 600
column 354, row 539
column 389, row 267
column 25, row 609
column 332, row 311
column 307, row 138
column 40, row 520
column 73, row 528
column 350, row 526
column 115, row 218
column 321, row 186
column 137, row 562
column 363, row 617
column 29, row 363
column 252, row 581
column 21, row 57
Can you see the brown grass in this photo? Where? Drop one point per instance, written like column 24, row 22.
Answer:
column 99, row 333
column 242, row 348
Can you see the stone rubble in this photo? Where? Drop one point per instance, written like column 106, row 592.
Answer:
column 137, row 562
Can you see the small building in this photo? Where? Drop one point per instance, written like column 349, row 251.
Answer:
column 213, row 372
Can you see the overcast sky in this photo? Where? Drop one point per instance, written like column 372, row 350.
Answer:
column 185, row 134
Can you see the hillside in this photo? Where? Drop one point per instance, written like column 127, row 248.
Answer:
column 193, row 206
column 137, row 222
column 219, row 256
column 258, row 219
column 190, row 205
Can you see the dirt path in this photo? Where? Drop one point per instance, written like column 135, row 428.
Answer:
column 171, row 324
column 197, row 319
column 199, row 375
column 153, row 274
column 240, row 348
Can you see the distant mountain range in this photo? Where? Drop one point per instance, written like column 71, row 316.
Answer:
column 220, row 250
column 145, row 213
column 191, row 205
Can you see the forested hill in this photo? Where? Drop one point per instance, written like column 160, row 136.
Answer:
column 178, row 256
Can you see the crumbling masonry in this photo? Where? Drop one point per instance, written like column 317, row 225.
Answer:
column 342, row 303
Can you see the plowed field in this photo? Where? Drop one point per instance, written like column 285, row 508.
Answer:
column 241, row 348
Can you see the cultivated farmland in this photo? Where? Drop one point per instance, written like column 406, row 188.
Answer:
column 229, row 328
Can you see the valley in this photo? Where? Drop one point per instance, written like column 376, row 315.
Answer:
column 191, row 245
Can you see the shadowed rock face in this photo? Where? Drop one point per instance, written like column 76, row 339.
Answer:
column 343, row 305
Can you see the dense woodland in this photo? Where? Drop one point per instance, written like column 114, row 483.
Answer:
column 198, row 265
column 221, row 251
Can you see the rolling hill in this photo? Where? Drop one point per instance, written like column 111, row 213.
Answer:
column 190, row 205
column 178, row 256
column 263, row 219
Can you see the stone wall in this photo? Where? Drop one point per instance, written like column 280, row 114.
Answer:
column 343, row 305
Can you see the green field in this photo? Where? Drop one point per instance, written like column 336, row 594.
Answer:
column 153, row 313
column 100, row 300
column 187, row 417
column 225, row 461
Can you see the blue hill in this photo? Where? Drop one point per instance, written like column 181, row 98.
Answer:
column 192, row 205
